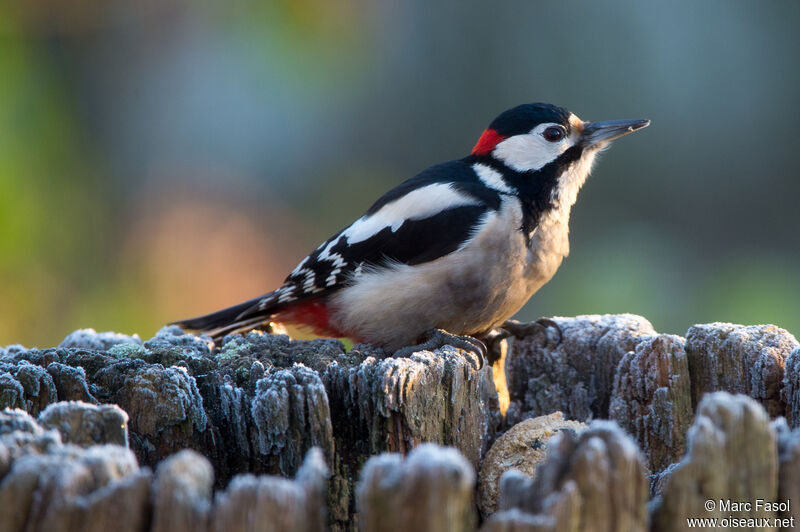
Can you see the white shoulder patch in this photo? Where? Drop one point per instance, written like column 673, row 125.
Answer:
column 416, row 205
column 491, row 178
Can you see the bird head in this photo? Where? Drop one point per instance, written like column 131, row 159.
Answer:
column 547, row 150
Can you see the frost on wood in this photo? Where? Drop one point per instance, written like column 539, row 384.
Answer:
column 574, row 375
column 182, row 493
column 788, row 467
column 85, row 424
column 93, row 340
column 522, row 447
column 48, row 486
column 652, row 398
column 739, row 359
column 592, row 480
column 431, row 490
column 276, row 504
column 394, row 404
column 258, row 403
column 731, row 455
column 790, row 394
column 291, row 414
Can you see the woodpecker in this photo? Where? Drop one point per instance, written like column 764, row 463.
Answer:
column 450, row 254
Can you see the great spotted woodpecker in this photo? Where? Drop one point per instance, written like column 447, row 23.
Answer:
column 460, row 247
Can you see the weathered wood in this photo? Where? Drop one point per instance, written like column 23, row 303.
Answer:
column 431, row 490
column 739, row 359
column 790, row 393
column 268, row 398
column 274, row 504
column 788, row 468
column 264, row 404
column 521, row 448
column 85, row 424
column 594, row 480
column 652, row 398
column 571, row 372
column 731, row 456
column 182, row 493
column 48, row 486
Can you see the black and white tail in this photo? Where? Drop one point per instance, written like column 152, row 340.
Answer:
column 236, row 319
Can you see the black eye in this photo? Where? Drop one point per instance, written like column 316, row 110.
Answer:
column 554, row 133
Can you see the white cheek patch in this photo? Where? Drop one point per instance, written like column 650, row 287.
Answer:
column 531, row 151
column 416, row 205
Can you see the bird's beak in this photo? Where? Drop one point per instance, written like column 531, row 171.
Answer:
column 598, row 133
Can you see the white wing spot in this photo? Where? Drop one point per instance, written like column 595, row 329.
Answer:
column 325, row 254
column 286, row 294
column 338, row 260
column 331, row 280
column 308, row 284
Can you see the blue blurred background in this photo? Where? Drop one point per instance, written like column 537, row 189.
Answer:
column 164, row 158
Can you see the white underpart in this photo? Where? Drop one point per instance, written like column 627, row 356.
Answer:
column 531, row 151
column 416, row 205
column 491, row 178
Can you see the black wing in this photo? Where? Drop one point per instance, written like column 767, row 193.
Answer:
column 399, row 231
column 410, row 235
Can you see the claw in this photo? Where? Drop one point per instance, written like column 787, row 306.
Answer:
column 520, row 330
column 436, row 338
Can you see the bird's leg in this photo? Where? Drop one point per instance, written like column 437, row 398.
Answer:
column 494, row 338
column 436, row 338
column 494, row 344
column 520, row 330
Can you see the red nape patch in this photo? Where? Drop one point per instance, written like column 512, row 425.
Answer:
column 312, row 314
column 489, row 139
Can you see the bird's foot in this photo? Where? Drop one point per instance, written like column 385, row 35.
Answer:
column 494, row 339
column 436, row 338
column 494, row 344
column 518, row 329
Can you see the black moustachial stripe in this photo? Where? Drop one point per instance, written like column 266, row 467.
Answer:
column 534, row 188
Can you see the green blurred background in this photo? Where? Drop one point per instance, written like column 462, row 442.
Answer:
column 163, row 158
